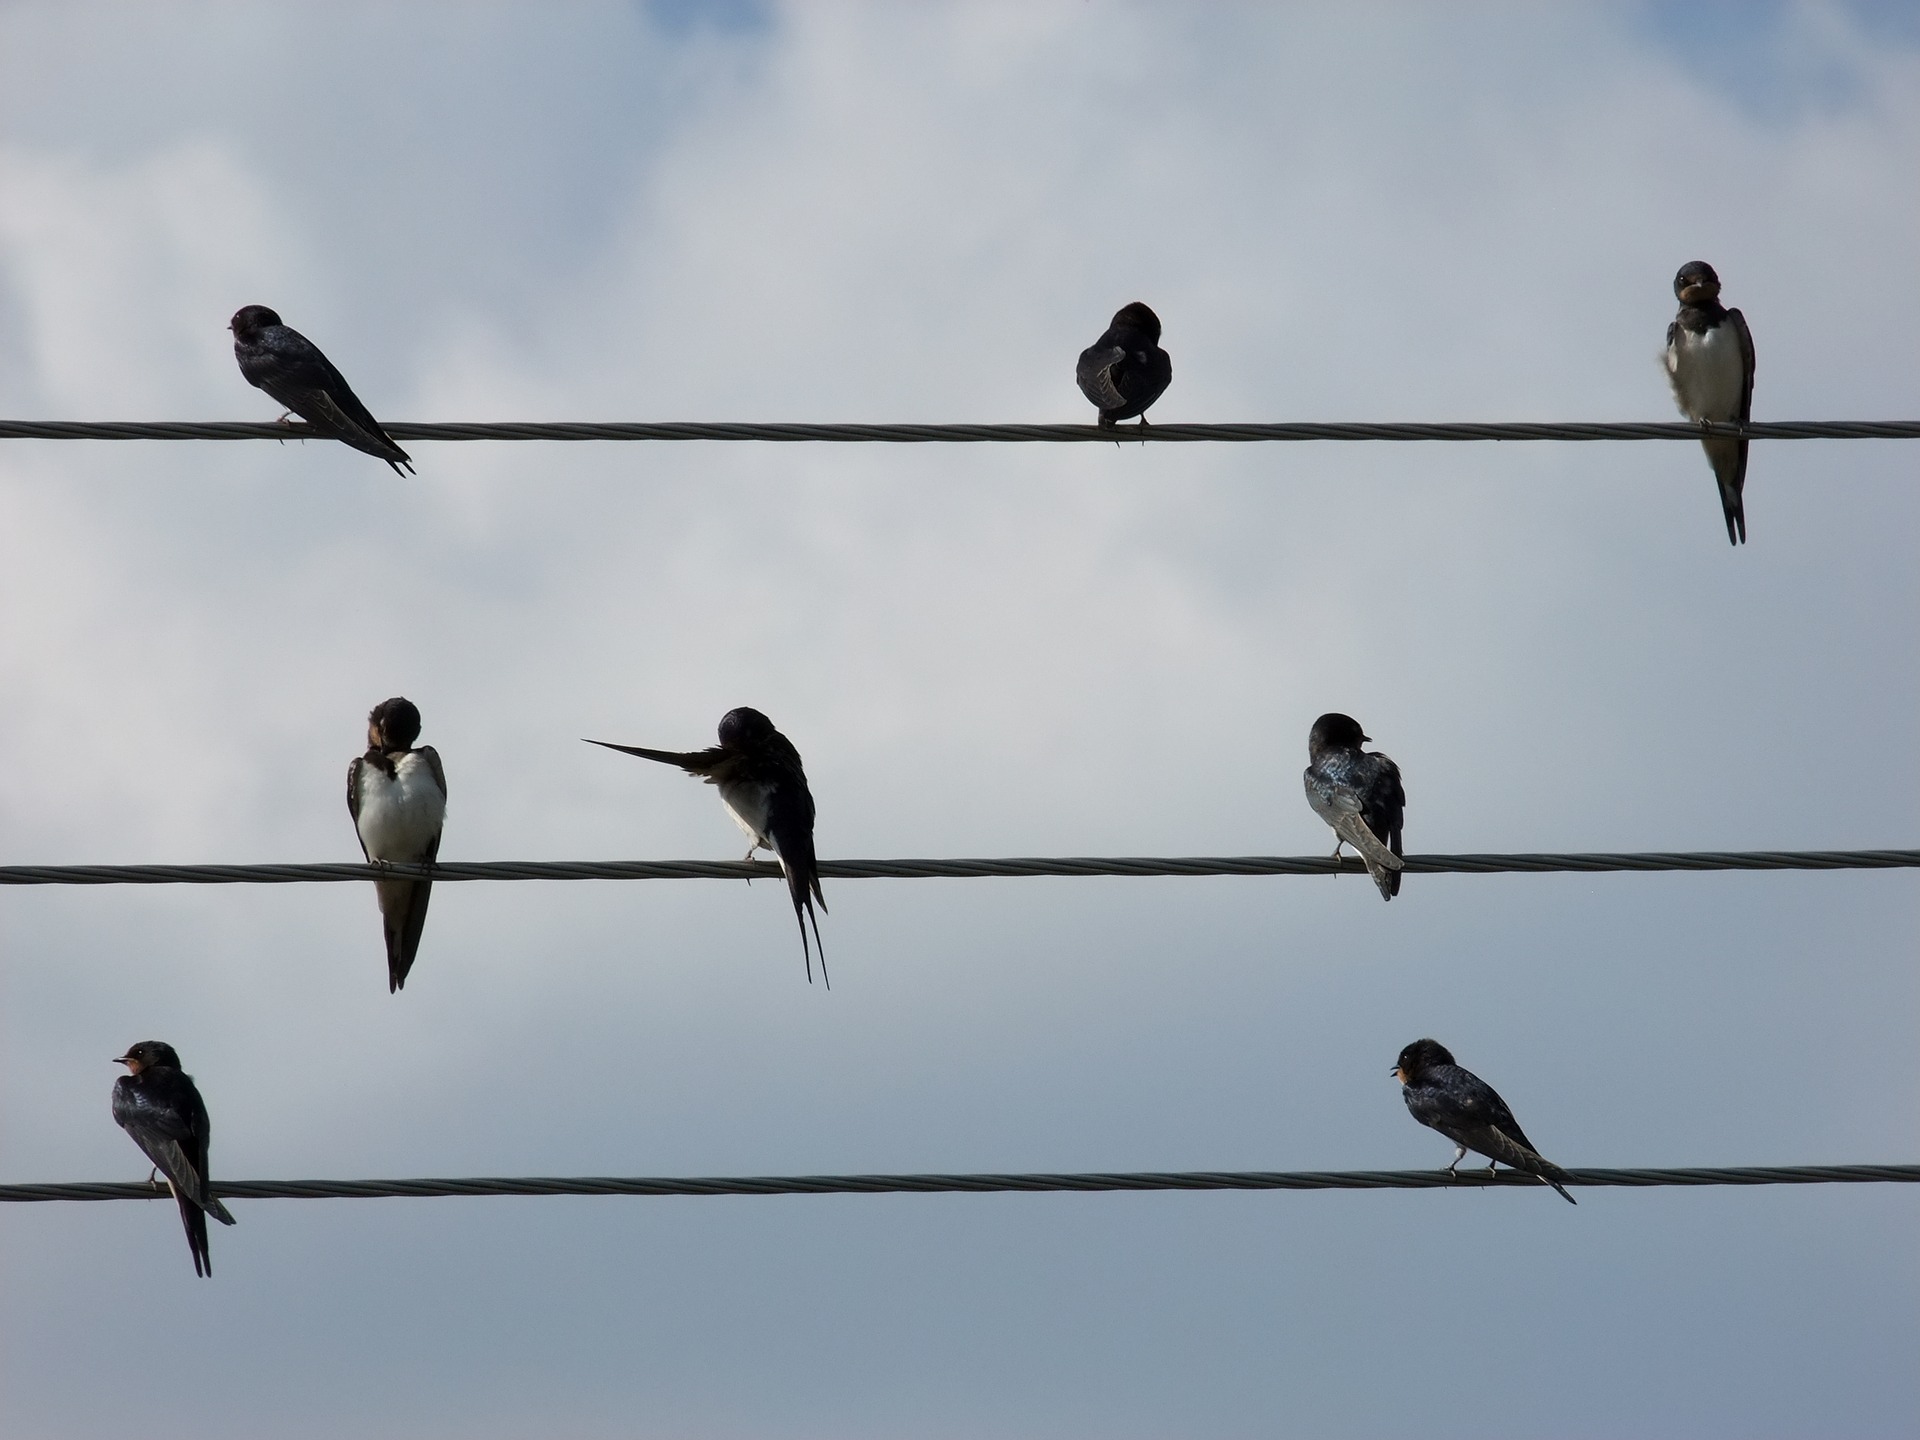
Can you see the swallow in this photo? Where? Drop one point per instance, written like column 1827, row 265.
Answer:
column 160, row 1107
column 1358, row 793
column 765, row 790
column 1125, row 370
column 397, row 796
column 290, row 368
column 1710, row 366
column 1469, row 1112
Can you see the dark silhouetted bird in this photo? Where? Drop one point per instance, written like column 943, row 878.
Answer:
column 1467, row 1110
column 1125, row 370
column 290, row 368
column 1710, row 366
column 764, row 788
column 1358, row 793
column 397, row 796
column 159, row 1106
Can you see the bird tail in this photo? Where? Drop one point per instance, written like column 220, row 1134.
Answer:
column 1548, row 1173
column 1729, row 459
column 803, row 885
column 195, row 1221
column 403, row 916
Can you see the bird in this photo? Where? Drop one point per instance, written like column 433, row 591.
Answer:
column 1125, row 370
column 764, row 788
column 397, row 796
column 1710, row 366
column 290, row 368
column 160, row 1107
column 1358, row 793
column 1468, row 1111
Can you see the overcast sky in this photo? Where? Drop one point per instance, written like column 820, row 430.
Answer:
column 837, row 212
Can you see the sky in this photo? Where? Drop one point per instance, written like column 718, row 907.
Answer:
column 824, row 212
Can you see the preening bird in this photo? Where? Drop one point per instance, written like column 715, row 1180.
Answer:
column 160, row 1107
column 397, row 796
column 1468, row 1111
column 281, row 361
column 1125, row 370
column 1710, row 366
column 1358, row 793
column 764, row 788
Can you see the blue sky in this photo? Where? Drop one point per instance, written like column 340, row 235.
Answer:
column 888, row 213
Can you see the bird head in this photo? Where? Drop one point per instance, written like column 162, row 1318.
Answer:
column 250, row 320
column 1334, row 731
column 1696, row 284
column 1418, row 1058
column 393, row 725
column 146, row 1055
column 1138, row 317
column 743, row 726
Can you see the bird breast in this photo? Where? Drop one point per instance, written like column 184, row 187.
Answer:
column 750, row 802
column 1707, row 372
column 401, row 815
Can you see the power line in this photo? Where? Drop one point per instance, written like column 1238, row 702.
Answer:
column 456, row 870
column 972, row 434
column 976, row 1184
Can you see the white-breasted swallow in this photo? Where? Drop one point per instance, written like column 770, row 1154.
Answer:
column 397, row 796
column 157, row 1103
column 764, row 788
column 1358, row 793
column 1709, row 362
column 281, row 361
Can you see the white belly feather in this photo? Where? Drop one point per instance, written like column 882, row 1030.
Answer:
column 749, row 805
column 1708, row 373
column 400, row 817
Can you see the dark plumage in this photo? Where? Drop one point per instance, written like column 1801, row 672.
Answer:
column 160, row 1107
column 1125, row 370
column 397, row 796
column 1710, row 366
column 290, row 368
column 764, row 788
column 1468, row 1111
column 1359, row 794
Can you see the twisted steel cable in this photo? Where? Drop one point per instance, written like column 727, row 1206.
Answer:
column 455, row 870
column 973, row 434
column 976, row 1184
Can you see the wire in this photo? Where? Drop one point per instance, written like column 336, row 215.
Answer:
column 1655, row 860
column 976, row 1184
column 972, row 434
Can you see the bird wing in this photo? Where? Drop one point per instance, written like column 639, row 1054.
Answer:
column 694, row 762
column 1745, row 336
column 168, row 1139
column 1343, row 809
column 432, row 757
column 353, row 800
column 1095, row 375
column 1384, row 806
column 1481, row 1121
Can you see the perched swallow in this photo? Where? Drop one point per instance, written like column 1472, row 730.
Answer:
column 1710, row 366
column 397, row 796
column 1125, row 370
column 1465, row 1109
column 290, row 368
column 1358, row 793
column 161, row 1109
column 765, row 790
